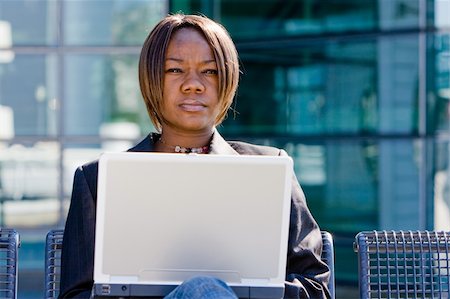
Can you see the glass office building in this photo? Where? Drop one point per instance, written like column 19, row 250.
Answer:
column 358, row 93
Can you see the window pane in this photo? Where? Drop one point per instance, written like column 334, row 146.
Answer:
column 439, row 95
column 117, row 22
column 103, row 97
column 441, row 9
column 30, row 23
column 440, row 184
column 28, row 102
column 398, row 83
column 271, row 18
column 339, row 174
column 29, row 185
column 399, row 14
column 343, row 87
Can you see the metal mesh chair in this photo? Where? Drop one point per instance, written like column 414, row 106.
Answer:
column 53, row 246
column 328, row 258
column 403, row 264
column 9, row 244
column 53, row 261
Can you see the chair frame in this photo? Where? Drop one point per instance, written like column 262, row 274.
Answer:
column 53, row 261
column 328, row 258
column 53, row 246
column 9, row 247
column 403, row 264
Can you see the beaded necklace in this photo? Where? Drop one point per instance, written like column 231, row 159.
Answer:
column 186, row 150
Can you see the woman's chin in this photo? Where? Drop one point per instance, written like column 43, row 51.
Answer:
column 196, row 125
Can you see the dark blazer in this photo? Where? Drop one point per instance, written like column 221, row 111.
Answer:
column 306, row 274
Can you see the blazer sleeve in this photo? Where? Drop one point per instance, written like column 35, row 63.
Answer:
column 306, row 275
column 77, row 257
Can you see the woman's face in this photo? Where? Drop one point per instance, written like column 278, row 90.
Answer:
column 190, row 91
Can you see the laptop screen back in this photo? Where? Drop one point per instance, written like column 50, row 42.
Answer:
column 163, row 218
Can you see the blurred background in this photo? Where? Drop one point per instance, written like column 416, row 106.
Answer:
column 358, row 93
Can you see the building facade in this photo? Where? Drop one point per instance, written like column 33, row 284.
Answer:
column 357, row 92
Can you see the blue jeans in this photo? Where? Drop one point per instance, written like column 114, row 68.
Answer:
column 202, row 287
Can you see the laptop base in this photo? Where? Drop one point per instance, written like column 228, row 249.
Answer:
column 140, row 290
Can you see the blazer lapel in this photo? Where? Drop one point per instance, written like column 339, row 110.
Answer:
column 146, row 145
column 220, row 147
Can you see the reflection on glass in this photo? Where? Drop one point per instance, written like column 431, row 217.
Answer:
column 102, row 92
column 29, row 185
column 340, row 180
column 28, row 108
column 441, row 186
column 116, row 22
column 441, row 9
column 253, row 19
column 399, row 14
column 360, row 87
column 400, row 203
column 439, row 102
column 271, row 18
column 6, row 55
column 398, row 83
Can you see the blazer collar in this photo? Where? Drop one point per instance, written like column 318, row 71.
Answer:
column 218, row 145
column 146, row 145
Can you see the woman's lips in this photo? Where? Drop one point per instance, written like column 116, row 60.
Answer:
column 192, row 106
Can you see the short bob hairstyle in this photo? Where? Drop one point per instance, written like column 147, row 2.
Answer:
column 153, row 55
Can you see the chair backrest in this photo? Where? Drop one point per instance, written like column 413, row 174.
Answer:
column 403, row 264
column 53, row 261
column 53, row 246
column 9, row 246
column 328, row 258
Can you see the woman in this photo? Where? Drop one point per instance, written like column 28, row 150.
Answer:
column 188, row 73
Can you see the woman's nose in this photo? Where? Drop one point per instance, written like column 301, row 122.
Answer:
column 193, row 83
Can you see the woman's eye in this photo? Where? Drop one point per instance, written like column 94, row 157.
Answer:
column 173, row 70
column 211, row 72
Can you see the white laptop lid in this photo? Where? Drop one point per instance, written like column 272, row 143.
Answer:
column 162, row 218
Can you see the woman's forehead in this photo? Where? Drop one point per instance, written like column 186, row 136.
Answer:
column 186, row 43
column 187, row 34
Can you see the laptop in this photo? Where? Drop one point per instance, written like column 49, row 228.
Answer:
column 164, row 218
